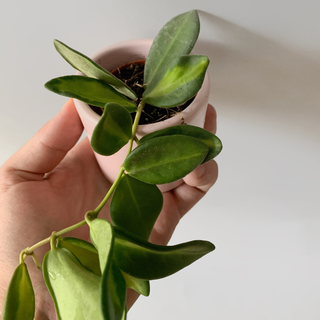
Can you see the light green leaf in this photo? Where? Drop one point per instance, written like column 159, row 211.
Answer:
column 144, row 260
column 113, row 130
column 91, row 69
column 138, row 285
column 178, row 83
column 88, row 90
column 213, row 142
column 84, row 251
column 165, row 159
column 135, row 206
column 176, row 38
column 76, row 292
column 20, row 302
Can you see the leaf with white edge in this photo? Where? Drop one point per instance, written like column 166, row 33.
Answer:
column 212, row 141
column 178, row 83
column 176, row 38
column 138, row 285
column 88, row 90
column 148, row 261
column 165, row 159
column 20, row 302
column 91, row 69
column 113, row 130
column 76, row 292
column 135, row 206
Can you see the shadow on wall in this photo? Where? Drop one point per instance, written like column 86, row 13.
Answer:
column 260, row 78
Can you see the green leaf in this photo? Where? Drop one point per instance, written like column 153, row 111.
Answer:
column 20, row 302
column 144, row 260
column 178, row 83
column 91, row 69
column 176, row 38
column 213, row 142
column 138, row 285
column 76, row 292
column 113, row 130
column 84, row 251
column 165, row 159
column 88, row 90
column 135, row 206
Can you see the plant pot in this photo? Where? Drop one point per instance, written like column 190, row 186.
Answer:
column 111, row 58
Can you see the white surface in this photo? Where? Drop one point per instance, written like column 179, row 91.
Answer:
column 263, row 213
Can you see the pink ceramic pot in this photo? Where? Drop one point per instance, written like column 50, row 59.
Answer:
column 117, row 55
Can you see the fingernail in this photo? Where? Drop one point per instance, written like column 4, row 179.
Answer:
column 199, row 171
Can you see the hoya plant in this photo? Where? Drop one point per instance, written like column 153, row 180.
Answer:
column 89, row 280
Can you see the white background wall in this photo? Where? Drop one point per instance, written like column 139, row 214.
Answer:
column 263, row 213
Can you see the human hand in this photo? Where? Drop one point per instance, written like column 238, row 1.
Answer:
column 51, row 182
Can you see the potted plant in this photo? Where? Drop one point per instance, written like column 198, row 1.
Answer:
column 90, row 280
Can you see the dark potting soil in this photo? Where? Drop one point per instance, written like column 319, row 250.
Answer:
column 132, row 75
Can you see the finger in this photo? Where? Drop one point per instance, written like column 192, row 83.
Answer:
column 50, row 144
column 211, row 119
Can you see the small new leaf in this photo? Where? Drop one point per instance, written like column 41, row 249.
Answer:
column 165, row 159
column 113, row 130
column 91, row 69
column 178, row 83
column 88, row 90
column 135, row 206
column 20, row 301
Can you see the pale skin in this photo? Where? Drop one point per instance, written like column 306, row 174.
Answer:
column 52, row 181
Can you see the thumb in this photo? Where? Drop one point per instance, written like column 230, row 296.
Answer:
column 50, row 144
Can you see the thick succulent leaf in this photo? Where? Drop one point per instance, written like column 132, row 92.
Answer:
column 84, row 251
column 135, row 206
column 89, row 90
column 102, row 237
column 91, row 69
column 138, row 285
column 176, row 38
column 113, row 130
column 113, row 294
column 178, row 83
column 144, row 260
column 76, row 292
column 165, row 159
column 213, row 142
column 19, row 303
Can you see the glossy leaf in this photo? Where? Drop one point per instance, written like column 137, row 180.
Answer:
column 91, row 69
column 176, row 38
column 138, row 285
column 76, row 292
column 213, row 142
column 165, row 159
column 113, row 130
column 89, row 90
column 84, row 251
column 20, row 302
column 135, row 206
column 178, row 83
column 144, row 260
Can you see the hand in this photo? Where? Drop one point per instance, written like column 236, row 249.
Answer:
column 51, row 182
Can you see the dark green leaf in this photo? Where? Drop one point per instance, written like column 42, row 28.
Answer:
column 92, row 69
column 113, row 130
column 76, row 292
column 165, row 159
column 89, row 90
column 84, row 251
column 213, row 142
column 138, row 285
column 20, row 302
column 135, row 206
column 144, row 260
column 176, row 38
column 178, row 83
